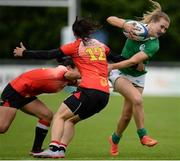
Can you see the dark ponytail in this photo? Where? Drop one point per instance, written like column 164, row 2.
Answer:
column 83, row 28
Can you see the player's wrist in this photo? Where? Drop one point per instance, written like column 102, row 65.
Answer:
column 123, row 25
column 24, row 52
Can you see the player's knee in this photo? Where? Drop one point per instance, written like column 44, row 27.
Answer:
column 138, row 100
column 48, row 115
column 59, row 116
column 73, row 121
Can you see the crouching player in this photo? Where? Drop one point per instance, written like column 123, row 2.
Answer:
column 21, row 94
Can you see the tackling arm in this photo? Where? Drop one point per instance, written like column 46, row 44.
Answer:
column 43, row 54
column 137, row 58
column 115, row 57
column 73, row 76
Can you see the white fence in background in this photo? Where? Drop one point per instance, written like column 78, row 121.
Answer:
column 161, row 81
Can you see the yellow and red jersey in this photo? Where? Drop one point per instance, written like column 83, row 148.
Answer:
column 37, row 81
column 90, row 59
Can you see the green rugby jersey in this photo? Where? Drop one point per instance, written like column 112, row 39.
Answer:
column 150, row 47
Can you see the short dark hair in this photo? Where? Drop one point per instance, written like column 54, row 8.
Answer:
column 67, row 61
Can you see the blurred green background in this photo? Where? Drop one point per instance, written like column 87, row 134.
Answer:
column 39, row 27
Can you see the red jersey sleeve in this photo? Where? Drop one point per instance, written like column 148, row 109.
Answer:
column 71, row 48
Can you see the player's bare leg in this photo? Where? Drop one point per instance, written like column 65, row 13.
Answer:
column 7, row 115
column 41, row 111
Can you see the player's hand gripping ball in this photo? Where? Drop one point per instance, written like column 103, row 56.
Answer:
column 141, row 31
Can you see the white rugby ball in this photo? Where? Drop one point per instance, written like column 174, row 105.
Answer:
column 141, row 30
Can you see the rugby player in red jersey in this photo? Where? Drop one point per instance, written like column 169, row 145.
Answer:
column 21, row 94
column 92, row 95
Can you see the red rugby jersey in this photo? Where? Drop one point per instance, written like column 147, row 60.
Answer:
column 91, row 61
column 37, row 81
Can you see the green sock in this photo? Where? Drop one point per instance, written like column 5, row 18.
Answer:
column 141, row 132
column 115, row 138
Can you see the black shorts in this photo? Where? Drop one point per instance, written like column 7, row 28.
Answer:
column 11, row 98
column 86, row 102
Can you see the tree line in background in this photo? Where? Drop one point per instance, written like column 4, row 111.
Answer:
column 39, row 28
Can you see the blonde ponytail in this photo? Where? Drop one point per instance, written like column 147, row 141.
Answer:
column 155, row 14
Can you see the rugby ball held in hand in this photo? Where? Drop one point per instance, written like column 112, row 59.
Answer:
column 141, row 31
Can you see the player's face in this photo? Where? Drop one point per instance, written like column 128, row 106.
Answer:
column 159, row 28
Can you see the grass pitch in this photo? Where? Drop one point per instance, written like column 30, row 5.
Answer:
column 162, row 118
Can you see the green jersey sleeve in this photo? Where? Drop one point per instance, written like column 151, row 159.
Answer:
column 151, row 47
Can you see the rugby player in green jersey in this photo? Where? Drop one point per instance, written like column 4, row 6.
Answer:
column 129, row 82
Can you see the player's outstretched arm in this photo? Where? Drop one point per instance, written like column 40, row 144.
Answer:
column 37, row 54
